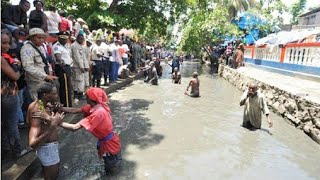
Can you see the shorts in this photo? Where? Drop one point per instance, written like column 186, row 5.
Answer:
column 49, row 154
column 111, row 161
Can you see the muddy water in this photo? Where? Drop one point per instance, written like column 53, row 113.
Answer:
column 167, row 135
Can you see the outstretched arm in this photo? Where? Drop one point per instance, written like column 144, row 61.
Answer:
column 71, row 127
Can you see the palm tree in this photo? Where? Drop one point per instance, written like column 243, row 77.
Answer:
column 238, row 6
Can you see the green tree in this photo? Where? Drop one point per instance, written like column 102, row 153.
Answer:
column 136, row 14
column 206, row 26
column 297, row 9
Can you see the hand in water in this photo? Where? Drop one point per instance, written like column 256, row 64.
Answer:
column 270, row 123
column 186, row 93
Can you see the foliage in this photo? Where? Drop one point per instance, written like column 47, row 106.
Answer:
column 135, row 14
column 205, row 27
column 297, row 9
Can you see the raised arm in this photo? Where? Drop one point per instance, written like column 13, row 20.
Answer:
column 243, row 98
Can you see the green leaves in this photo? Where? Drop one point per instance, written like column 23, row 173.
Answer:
column 296, row 10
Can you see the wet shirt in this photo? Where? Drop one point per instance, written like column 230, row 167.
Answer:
column 99, row 122
column 253, row 108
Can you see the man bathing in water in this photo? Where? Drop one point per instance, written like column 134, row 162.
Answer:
column 195, row 84
column 254, row 103
column 43, row 135
column 176, row 76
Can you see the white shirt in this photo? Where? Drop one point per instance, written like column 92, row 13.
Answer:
column 126, row 49
column 115, row 53
column 64, row 51
column 95, row 51
column 53, row 21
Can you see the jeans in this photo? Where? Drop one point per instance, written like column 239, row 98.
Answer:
column 114, row 71
column 10, row 136
column 20, row 102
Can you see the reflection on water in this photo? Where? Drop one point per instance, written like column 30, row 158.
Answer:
column 167, row 135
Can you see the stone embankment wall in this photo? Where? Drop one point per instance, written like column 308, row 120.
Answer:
column 298, row 111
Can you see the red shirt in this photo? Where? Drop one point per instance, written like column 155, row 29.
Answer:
column 99, row 122
column 64, row 24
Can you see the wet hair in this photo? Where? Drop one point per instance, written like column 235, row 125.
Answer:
column 45, row 87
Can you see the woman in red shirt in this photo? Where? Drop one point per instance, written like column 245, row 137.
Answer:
column 97, row 120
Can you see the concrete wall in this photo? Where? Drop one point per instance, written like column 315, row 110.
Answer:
column 299, row 112
column 311, row 19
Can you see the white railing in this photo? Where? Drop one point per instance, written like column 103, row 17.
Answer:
column 268, row 54
column 248, row 52
column 308, row 56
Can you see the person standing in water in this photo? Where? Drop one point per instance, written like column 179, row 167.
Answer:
column 194, row 84
column 254, row 103
column 176, row 76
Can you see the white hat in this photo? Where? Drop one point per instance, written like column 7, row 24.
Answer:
column 80, row 20
column 35, row 31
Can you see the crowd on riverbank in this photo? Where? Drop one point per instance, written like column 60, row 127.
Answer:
column 52, row 47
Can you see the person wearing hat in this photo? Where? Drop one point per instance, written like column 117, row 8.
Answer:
column 195, row 86
column 37, row 18
column 77, row 26
column 33, row 58
column 63, row 68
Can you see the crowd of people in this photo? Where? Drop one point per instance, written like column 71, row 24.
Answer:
column 49, row 62
column 49, row 46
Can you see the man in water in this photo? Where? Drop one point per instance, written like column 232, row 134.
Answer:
column 254, row 102
column 176, row 76
column 43, row 135
column 153, row 76
column 98, row 121
column 195, row 84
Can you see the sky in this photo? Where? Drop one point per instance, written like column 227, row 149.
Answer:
column 287, row 17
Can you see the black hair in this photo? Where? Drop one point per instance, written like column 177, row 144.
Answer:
column 45, row 87
column 36, row 1
column 52, row 8
column 79, row 35
column 62, row 13
column 23, row 1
